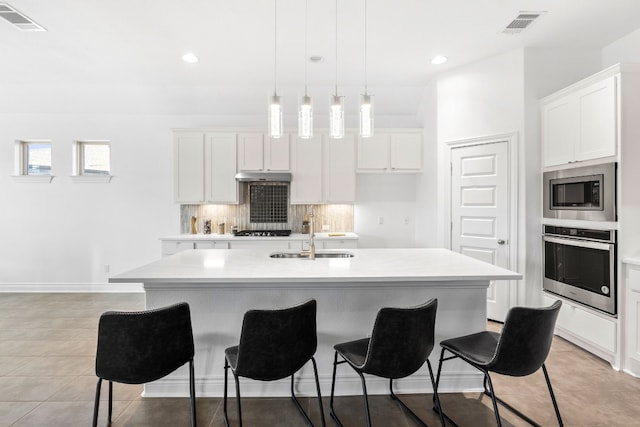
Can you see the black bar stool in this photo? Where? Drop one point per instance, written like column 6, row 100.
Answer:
column 401, row 341
column 140, row 347
column 274, row 344
column 521, row 349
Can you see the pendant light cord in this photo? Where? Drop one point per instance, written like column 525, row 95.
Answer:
column 306, row 16
column 336, row 47
column 275, row 49
column 365, row 47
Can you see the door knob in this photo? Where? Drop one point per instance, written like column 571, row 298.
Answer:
column 501, row 242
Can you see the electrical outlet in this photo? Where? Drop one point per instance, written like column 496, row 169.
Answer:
column 325, row 227
column 380, row 220
column 107, row 268
column 406, row 220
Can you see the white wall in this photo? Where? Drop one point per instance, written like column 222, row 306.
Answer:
column 427, row 201
column 391, row 198
column 625, row 49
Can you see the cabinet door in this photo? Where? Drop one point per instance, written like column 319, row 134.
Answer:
column 211, row 244
column 632, row 321
column 170, row 247
column 221, row 168
column 306, row 173
column 272, row 245
column 188, row 163
column 339, row 170
column 597, row 120
column 373, row 153
column 559, row 131
column 405, row 152
column 276, row 154
column 250, row 152
column 339, row 244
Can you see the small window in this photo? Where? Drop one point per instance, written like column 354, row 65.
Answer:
column 33, row 158
column 93, row 158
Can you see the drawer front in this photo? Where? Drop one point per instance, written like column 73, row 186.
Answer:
column 170, row 247
column 590, row 327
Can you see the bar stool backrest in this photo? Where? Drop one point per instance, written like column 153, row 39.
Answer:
column 401, row 340
column 274, row 344
column 139, row 347
column 525, row 340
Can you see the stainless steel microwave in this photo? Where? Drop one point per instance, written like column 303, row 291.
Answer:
column 585, row 193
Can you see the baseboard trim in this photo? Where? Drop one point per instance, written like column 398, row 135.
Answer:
column 213, row 386
column 71, row 287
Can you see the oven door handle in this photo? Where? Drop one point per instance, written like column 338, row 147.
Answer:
column 579, row 243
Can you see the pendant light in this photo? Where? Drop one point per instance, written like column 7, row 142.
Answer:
column 336, row 112
column 366, row 102
column 275, row 108
column 305, row 114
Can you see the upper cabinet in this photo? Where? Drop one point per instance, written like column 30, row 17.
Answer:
column 188, row 167
column 306, row 171
column 323, row 170
column 205, row 168
column 579, row 123
column 260, row 153
column 220, row 168
column 390, row 152
column 339, row 170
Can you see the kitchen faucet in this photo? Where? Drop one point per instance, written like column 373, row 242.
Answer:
column 312, row 245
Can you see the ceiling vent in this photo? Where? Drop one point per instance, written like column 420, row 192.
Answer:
column 19, row 20
column 523, row 21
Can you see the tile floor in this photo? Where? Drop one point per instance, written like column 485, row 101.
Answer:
column 47, row 348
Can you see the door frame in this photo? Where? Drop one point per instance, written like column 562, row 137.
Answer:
column 512, row 191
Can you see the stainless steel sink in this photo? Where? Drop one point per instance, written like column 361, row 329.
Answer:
column 305, row 255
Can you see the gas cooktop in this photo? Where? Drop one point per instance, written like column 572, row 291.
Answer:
column 262, row 233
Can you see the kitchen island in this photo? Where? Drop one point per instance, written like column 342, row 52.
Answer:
column 220, row 286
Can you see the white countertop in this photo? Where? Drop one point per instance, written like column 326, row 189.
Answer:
column 368, row 265
column 292, row 236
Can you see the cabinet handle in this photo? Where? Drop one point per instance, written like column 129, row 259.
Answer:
column 501, row 242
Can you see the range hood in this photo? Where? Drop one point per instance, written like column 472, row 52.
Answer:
column 263, row 177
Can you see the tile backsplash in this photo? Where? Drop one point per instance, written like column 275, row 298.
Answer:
column 337, row 217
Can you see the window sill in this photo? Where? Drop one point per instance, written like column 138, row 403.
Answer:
column 91, row 179
column 32, row 179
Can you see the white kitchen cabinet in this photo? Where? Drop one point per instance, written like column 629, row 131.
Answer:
column 306, row 170
column 590, row 329
column 390, row 152
column 579, row 123
column 632, row 341
column 205, row 168
column 170, row 247
column 336, row 243
column 260, row 153
column 273, row 245
column 188, row 165
column 220, row 168
column 339, row 170
column 211, row 244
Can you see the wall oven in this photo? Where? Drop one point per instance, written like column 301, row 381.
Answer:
column 580, row 264
column 586, row 193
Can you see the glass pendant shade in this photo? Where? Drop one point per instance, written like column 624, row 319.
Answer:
column 366, row 116
column 336, row 117
column 305, row 118
column 275, row 117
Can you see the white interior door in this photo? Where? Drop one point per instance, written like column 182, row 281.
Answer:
column 480, row 212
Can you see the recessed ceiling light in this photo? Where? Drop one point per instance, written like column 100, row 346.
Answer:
column 437, row 60
column 190, row 58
